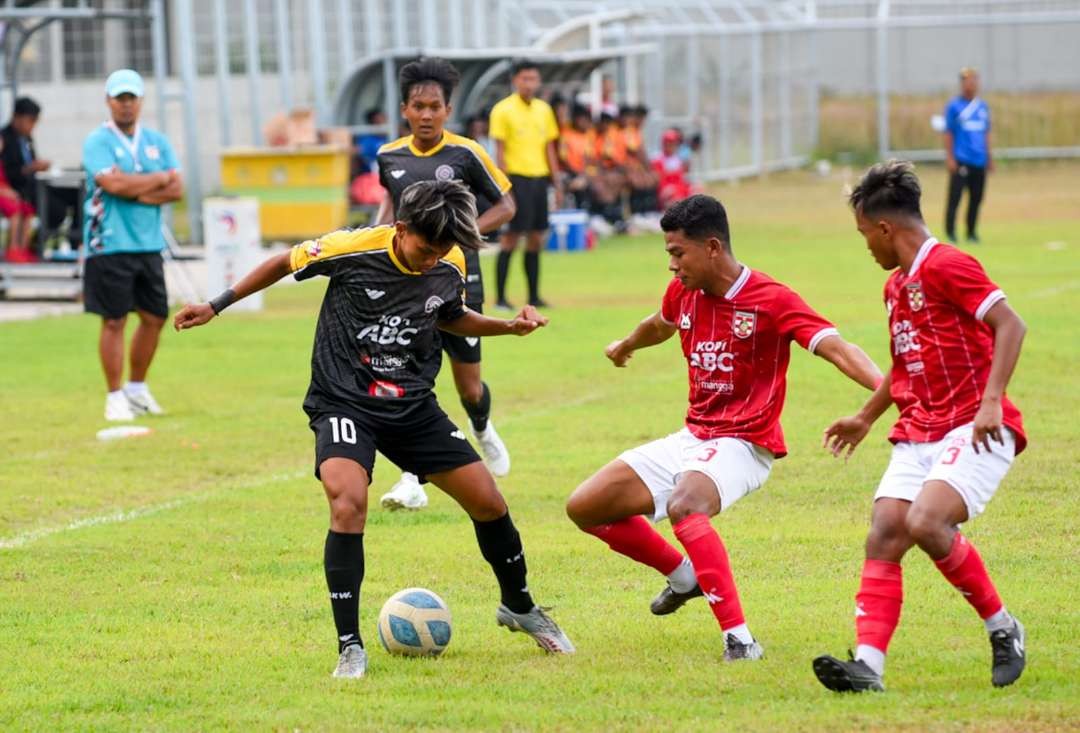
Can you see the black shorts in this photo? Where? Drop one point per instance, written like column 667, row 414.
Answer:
column 423, row 441
column 463, row 349
column 531, row 196
column 116, row 284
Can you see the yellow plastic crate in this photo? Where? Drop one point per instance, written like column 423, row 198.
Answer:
column 317, row 165
column 296, row 222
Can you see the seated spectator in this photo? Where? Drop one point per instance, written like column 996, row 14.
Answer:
column 21, row 166
column 476, row 128
column 18, row 213
column 672, row 170
column 576, row 157
column 641, row 178
column 368, row 143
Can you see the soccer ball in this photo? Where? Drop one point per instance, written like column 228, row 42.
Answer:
column 414, row 622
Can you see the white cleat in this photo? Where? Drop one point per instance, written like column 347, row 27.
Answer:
column 407, row 493
column 352, row 664
column 117, row 408
column 143, row 403
column 496, row 456
column 537, row 624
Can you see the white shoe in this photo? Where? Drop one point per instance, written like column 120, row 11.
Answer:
column 407, row 493
column 495, row 453
column 142, row 402
column 117, row 408
column 352, row 663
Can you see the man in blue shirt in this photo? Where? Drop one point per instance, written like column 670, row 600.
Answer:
column 967, row 152
column 130, row 172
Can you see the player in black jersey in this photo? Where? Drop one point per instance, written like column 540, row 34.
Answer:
column 432, row 153
column 373, row 368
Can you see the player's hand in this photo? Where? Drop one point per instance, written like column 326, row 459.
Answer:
column 193, row 315
column 990, row 166
column 527, row 321
column 950, row 164
column 558, row 195
column 987, row 425
column 617, row 354
column 847, row 432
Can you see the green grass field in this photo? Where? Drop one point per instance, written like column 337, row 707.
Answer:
column 174, row 582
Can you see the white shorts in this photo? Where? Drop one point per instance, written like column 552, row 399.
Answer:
column 975, row 476
column 735, row 466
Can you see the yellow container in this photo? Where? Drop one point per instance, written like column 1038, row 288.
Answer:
column 297, row 222
column 316, row 165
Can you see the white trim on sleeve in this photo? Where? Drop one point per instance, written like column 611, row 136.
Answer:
column 989, row 302
column 821, row 336
column 670, row 323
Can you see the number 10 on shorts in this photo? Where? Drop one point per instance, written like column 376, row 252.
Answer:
column 343, row 430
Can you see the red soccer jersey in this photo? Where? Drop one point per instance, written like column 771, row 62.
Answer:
column 941, row 349
column 737, row 347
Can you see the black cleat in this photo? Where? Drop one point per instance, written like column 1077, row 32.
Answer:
column 539, row 303
column 1009, row 658
column 504, row 305
column 736, row 651
column 670, row 601
column 850, row 676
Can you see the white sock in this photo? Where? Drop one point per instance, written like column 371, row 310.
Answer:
column 741, row 632
column 1000, row 620
column 873, row 657
column 135, row 387
column 682, row 578
column 117, row 395
column 410, row 477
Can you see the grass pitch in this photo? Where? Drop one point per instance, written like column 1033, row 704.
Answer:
column 174, row 582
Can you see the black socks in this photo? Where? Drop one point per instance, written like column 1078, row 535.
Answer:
column 478, row 413
column 532, row 274
column 500, row 544
column 343, row 559
column 502, row 271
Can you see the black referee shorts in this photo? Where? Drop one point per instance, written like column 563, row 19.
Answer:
column 116, row 284
column 422, row 441
column 531, row 196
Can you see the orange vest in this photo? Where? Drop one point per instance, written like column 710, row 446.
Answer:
column 573, row 149
column 611, row 147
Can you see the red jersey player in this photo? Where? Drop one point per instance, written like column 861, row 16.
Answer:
column 955, row 342
column 736, row 326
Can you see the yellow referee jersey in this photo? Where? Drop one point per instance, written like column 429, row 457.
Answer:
column 525, row 129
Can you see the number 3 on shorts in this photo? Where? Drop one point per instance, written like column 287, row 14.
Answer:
column 707, row 455
column 343, row 429
column 952, row 452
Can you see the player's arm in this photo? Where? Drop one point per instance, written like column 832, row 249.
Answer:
column 172, row 191
column 500, row 154
column 1009, row 330
column 262, row 277
column 386, row 210
column 501, row 212
column 989, row 154
column 650, row 332
column 848, row 432
column 849, row 359
column 132, row 185
column 472, row 323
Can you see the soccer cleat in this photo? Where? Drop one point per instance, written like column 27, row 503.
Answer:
column 737, row 651
column 495, row 454
column 537, row 624
column 849, row 676
column 143, row 403
column 504, row 305
column 1009, row 657
column 352, row 664
column 407, row 493
column 973, row 239
column 539, row 303
column 670, row 601
column 117, row 408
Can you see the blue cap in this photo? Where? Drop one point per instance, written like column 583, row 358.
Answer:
column 124, row 81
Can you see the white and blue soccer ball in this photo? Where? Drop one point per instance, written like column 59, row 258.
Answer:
column 415, row 622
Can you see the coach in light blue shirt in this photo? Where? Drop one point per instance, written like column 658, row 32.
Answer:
column 967, row 152
column 130, row 172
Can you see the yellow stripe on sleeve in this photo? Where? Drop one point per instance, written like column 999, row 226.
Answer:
column 336, row 244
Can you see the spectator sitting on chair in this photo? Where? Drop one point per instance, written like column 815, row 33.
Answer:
column 130, row 172
column 18, row 213
column 21, row 166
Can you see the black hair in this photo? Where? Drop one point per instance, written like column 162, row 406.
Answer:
column 888, row 188
column 557, row 98
column 580, row 110
column 606, row 118
column 26, row 106
column 698, row 217
column 520, row 65
column 371, row 114
column 428, row 71
column 442, row 212
column 641, row 110
column 627, row 110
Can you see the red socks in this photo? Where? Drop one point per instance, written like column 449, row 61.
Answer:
column 712, row 567
column 638, row 540
column 877, row 604
column 965, row 570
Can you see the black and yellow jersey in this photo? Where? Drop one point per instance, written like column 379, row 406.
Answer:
column 376, row 345
column 453, row 158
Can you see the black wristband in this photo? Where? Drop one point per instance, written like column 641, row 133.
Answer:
column 223, row 301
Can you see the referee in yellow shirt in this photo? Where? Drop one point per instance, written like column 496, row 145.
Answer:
column 525, row 134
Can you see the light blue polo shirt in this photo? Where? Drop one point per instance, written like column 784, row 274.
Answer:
column 113, row 224
column 969, row 123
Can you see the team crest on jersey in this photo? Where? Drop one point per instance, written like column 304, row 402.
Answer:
column 684, row 322
column 915, row 296
column 433, row 303
column 444, row 173
column 742, row 325
column 314, row 248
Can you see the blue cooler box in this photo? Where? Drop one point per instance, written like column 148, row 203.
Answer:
column 569, row 228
